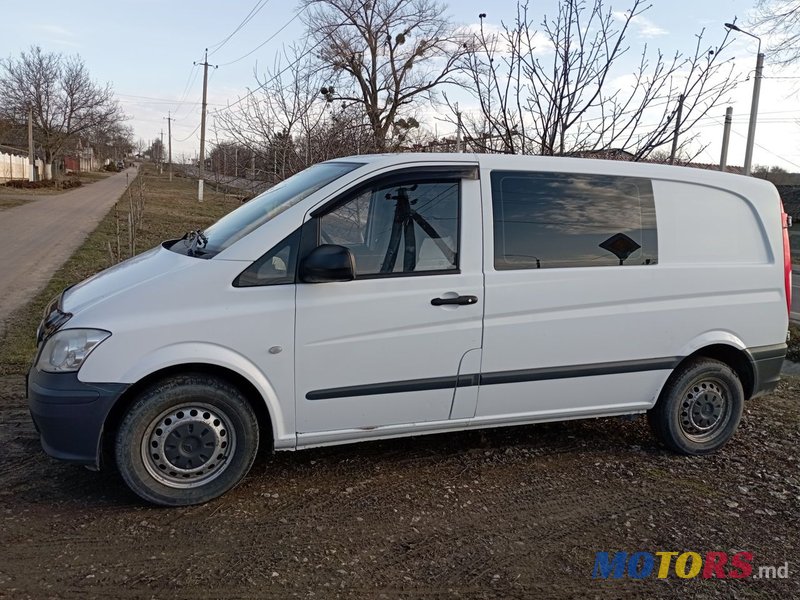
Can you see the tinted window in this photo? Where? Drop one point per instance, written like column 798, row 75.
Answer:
column 552, row 220
column 398, row 228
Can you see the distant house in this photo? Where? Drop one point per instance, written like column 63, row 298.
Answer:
column 80, row 158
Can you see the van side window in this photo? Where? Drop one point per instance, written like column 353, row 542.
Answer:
column 276, row 267
column 398, row 228
column 556, row 220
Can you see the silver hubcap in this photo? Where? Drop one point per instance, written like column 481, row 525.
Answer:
column 705, row 409
column 188, row 446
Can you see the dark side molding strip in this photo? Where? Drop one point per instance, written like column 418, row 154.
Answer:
column 497, row 377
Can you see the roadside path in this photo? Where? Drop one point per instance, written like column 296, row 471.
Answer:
column 36, row 238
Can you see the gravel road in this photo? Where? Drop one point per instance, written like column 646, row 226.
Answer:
column 36, row 238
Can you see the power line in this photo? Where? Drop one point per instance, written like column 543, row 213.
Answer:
column 153, row 100
column 190, row 135
column 263, row 85
column 269, row 39
column 767, row 150
column 253, row 12
column 189, row 83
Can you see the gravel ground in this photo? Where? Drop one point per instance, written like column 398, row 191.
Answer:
column 507, row 513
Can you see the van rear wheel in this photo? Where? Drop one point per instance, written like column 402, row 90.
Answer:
column 699, row 408
column 186, row 440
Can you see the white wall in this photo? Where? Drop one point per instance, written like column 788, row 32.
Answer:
column 13, row 166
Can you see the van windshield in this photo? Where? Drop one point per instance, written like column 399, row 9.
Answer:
column 264, row 207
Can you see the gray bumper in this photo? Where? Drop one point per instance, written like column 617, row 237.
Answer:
column 767, row 362
column 69, row 414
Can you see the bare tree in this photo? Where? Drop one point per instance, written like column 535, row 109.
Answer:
column 66, row 102
column 383, row 55
column 780, row 19
column 284, row 105
column 552, row 90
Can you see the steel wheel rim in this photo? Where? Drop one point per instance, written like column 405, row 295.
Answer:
column 705, row 408
column 187, row 446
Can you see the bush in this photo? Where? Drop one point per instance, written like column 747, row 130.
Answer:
column 63, row 184
column 111, row 167
column 30, row 185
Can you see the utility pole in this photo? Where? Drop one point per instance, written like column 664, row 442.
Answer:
column 677, row 129
column 726, row 136
column 236, row 162
column 458, row 133
column 201, row 164
column 169, row 140
column 31, row 160
column 751, row 130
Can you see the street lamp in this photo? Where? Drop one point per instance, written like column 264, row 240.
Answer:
column 751, row 132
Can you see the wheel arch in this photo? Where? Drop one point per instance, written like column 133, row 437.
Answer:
column 737, row 359
column 266, row 421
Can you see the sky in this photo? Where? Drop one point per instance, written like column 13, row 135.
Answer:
column 146, row 50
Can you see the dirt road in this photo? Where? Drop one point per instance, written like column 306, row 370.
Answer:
column 36, row 238
column 513, row 513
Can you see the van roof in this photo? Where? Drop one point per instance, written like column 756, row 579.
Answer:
column 737, row 183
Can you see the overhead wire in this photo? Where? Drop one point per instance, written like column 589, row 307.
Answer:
column 260, row 4
column 767, row 150
column 262, row 44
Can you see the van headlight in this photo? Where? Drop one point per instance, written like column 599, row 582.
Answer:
column 66, row 350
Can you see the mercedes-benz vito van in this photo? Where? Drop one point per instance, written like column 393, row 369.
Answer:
column 380, row 296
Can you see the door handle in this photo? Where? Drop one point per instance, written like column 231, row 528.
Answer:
column 463, row 300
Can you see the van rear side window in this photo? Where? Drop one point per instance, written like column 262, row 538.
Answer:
column 557, row 220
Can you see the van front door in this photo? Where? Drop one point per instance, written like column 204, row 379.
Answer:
column 385, row 348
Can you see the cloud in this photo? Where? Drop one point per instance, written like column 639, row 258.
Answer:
column 55, row 30
column 496, row 34
column 644, row 27
column 55, row 34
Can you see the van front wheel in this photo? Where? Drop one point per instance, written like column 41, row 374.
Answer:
column 186, row 440
column 699, row 408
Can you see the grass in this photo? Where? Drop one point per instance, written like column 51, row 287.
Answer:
column 10, row 202
column 171, row 209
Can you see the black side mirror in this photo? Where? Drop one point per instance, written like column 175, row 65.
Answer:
column 328, row 262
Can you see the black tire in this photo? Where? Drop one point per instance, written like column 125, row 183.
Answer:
column 186, row 440
column 699, row 408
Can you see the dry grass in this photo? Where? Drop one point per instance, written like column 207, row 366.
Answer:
column 9, row 202
column 171, row 209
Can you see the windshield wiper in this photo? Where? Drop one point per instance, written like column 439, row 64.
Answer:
column 195, row 240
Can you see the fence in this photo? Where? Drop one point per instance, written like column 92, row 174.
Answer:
column 13, row 166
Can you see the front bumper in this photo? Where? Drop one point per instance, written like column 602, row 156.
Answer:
column 69, row 414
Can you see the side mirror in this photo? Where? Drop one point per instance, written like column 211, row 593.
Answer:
column 328, row 262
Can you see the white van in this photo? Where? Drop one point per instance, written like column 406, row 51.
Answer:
column 380, row 296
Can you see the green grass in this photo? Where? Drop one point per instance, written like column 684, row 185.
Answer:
column 171, row 209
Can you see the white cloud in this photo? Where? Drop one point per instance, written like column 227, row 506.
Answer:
column 540, row 44
column 644, row 27
column 55, row 30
